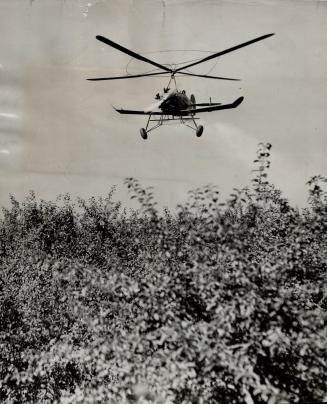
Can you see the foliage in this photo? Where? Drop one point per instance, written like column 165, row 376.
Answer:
column 216, row 302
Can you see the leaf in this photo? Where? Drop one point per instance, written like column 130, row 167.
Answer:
column 247, row 396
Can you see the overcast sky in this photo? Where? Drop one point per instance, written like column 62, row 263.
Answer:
column 59, row 133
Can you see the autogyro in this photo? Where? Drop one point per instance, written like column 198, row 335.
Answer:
column 173, row 104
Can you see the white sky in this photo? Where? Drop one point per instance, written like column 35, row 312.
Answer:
column 58, row 132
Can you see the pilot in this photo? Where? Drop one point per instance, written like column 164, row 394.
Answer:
column 157, row 97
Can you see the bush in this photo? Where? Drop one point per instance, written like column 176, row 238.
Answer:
column 215, row 302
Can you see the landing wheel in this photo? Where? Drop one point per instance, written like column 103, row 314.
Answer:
column 144, row 134
column 199, row 130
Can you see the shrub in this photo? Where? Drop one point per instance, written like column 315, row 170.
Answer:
column 218, row 301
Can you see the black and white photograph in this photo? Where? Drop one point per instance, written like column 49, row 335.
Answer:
column 163, row 201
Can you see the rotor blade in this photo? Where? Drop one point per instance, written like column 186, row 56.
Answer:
column 208, row 77
column 131, row 53
column 126, row 77
column 215, row 55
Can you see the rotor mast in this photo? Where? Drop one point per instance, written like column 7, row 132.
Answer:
column 172, row 79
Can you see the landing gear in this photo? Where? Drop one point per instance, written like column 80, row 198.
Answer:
column 188, row 120
column 199, row 130
column 143, row 133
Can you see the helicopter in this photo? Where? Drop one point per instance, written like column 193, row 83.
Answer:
column 174, row 104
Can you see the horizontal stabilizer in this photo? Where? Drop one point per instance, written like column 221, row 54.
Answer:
column 183, row 112
column 211, row 108
column 135, row 112
column 205, row 104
